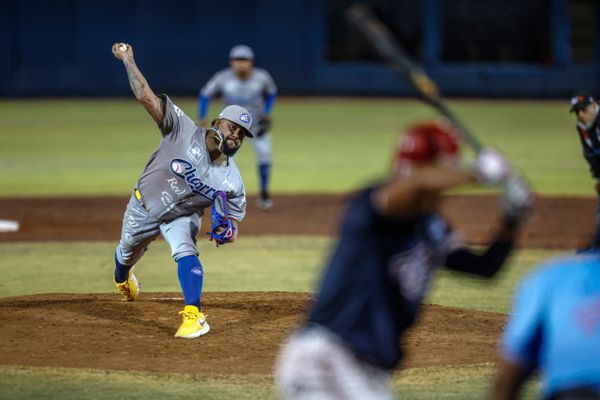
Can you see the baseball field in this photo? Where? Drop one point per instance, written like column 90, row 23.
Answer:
column 68, row 167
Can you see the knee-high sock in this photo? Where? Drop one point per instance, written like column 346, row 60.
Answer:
column 264, row 170
column 191, row 277
column 121, row 271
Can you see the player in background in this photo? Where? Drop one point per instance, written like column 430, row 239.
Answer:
column 254, row 89
column 391, row 241
column 190, row 165
column 588, row 125
column 555, row 328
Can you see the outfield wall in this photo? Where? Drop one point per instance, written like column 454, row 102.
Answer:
column 62, row 48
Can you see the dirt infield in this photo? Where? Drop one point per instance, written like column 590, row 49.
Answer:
column 558, row 222
column 101, row 331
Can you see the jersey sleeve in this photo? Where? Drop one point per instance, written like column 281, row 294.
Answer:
column 174, row 120
column 270, row 87
column 213, row 86
column 236, row 204
column 522, row 336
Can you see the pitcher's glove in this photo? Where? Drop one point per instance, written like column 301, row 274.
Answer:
column 222, row 228
column 264, row 125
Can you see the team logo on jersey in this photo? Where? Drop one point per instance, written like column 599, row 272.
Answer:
column 195, row 152
column 185, row 170
column 245, row 117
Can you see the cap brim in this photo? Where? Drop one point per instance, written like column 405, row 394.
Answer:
column 249, row 134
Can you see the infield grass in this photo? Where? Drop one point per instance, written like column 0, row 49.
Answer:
column 76, row 147
column 266, row 263
column 459, row 382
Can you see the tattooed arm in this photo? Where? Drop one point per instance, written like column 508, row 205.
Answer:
column 142, row 91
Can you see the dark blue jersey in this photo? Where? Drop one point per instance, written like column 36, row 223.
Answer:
column 377, row 277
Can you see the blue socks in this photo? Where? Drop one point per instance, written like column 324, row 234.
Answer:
column 121, row 271
column 191, row 276
column 264, row 171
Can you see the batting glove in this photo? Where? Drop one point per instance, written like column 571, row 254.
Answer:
column 491, row 167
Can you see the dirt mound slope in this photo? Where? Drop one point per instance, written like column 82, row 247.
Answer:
column 247, row 328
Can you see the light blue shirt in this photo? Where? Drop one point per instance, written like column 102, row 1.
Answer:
column 555, row 324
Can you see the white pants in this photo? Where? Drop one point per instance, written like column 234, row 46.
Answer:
column 140, row 229
column 313, row 365
column 262, row 148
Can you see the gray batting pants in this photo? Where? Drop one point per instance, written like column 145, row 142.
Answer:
column 140, row 229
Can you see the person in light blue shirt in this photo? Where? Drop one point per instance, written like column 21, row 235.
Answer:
column 555, row 328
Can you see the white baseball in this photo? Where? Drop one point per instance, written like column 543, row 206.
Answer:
column 123, row 48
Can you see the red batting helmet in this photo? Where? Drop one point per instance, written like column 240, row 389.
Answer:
column 426, row 142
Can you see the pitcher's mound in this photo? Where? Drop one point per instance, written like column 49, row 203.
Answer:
column 247, row 328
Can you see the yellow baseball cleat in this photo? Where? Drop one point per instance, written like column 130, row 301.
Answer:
column 130, row 289
column 194, row 323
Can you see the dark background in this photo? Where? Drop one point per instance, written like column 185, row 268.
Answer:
column 508, row 48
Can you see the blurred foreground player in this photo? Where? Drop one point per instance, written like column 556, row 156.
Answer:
column 391, row 241
column 555, row 328
column 585, row 109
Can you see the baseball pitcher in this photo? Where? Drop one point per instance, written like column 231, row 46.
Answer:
column 191, row 169
column 254, row 89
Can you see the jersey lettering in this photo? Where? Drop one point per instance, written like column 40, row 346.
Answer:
column 185, row 170
column 175, row 187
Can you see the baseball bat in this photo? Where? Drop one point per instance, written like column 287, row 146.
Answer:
column 379, row 36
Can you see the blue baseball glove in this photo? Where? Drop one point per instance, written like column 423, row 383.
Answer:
column 222, row 228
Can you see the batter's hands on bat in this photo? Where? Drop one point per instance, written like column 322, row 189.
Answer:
column 491, row 167
column 122, row 50
column 202, row 122
column 516, row 202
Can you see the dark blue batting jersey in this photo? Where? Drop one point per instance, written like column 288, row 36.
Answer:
column 377, row 277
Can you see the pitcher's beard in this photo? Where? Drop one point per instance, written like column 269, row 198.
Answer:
column 228, row 150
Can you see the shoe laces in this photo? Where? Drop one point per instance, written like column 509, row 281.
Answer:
column 189, row 316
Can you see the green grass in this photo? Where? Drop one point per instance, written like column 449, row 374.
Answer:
column 266, row 263
column 455, row 382
column 460, row 382
column 77, row 147
column 66, row 384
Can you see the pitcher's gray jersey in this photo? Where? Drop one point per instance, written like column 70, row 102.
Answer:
column 180, row 178
column 249, row 93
